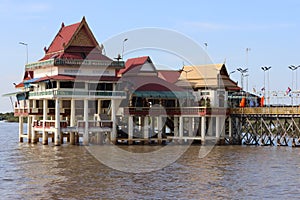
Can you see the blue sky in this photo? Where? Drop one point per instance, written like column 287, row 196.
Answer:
column 269, row 28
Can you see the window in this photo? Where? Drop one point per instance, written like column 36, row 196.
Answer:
column 51, row 84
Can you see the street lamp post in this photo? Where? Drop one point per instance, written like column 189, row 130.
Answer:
column 123, row 46
column 293, row 68
column 25, row 44
column 265, row 69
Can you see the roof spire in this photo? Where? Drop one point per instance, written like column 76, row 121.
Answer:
column 62, row 25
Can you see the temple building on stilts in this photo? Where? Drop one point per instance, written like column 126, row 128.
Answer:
column 77, row 94
column 71, row 91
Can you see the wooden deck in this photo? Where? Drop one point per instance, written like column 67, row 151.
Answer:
column 266, row 111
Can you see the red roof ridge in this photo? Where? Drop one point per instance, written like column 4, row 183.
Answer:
column 133, row 62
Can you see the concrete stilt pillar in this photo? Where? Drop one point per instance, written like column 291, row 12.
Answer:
column 181, row 124
column 86, row 120
column 152, row 125
column 113, row 134
column 99, row 107
column 140, row 123
column 218, row 130
column 191, row 123
column 34, row 137
column 160, row 129
column 21, row 128
column 230, row 127
column 29, row 129
column 29, row 120
column 57, row 133
column 210, row 123
column 146, row 129
column 176, row 129
column 45, row 134
column 203, row 128
column 130, row 129
column 222, row 124
column 72, row 121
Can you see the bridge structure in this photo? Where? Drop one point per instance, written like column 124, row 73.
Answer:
column 277, row 126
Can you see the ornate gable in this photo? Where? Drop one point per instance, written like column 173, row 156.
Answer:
column 83, row 36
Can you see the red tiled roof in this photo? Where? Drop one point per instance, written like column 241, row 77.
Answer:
column 62, row 38
column 169, row 75
column 150, row 83
column 132, row 63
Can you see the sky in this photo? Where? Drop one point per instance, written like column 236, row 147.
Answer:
column 270, row 29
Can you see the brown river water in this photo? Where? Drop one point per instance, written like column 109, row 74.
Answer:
column 71, row 172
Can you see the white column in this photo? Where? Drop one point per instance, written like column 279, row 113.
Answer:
column 21, row 128
column 146, row 127
column 176, row 130
column 57, row 139
column 45, row 134
column 29, row 118
column 29, row 129
column 218, row 131
column 130, row 129
column 72, row 121
column 159, row 128
column 72, row 114
column 210, row 126
column 203, row 128
column 181, row 123
column 222, row 126
column 99, row 107
column 191, row 123
column 113, row 134
column 230, row 127
column 86, row 120
column 34, row 138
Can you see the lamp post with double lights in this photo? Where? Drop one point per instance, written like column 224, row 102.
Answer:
column 293, row 68
column 265, row 69
column 243, row 74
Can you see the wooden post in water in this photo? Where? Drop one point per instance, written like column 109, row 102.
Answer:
column 21, row 128
column 45, row 134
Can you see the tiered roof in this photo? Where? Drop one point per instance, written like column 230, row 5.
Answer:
column 207, row 76
column 75, row 41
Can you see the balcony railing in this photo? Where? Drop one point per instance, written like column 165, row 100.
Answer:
column 156, row 111
column 77, row 93
column 49, row 124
